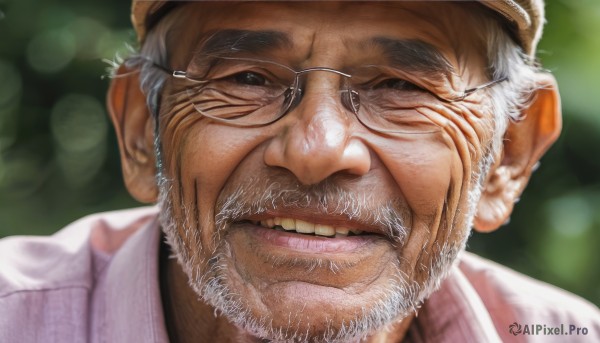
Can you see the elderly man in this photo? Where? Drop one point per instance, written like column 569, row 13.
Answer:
column 318, row 168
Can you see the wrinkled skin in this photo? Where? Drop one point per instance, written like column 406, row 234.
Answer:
column 428, row 178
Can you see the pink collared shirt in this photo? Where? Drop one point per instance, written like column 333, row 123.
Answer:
column 97, row 281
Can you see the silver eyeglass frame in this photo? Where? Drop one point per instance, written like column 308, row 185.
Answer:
column 295, row 90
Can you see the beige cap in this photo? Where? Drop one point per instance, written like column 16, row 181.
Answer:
column 526, row 17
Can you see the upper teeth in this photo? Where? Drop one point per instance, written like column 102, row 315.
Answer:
column 302, row 226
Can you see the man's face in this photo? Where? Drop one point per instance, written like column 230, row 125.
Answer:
column 412, row 195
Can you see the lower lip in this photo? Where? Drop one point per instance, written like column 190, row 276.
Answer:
column 310, row 244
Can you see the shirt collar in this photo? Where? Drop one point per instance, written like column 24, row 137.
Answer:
column 454, row 313
column 134, row 310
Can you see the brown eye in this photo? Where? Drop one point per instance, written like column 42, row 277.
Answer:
column 397, row 84
column 249, row 78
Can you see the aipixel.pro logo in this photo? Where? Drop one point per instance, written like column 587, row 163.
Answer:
column 546, row 330
column 515, row 328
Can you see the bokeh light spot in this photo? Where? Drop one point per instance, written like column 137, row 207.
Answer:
column 570, row 216
column 87, row 33
column 51, row 51
column 79, row 129
column 78, row 123
column 21, row 173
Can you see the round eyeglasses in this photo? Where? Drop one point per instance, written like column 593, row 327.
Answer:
column 251, row 92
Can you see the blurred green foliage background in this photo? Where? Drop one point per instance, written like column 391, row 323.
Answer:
column 59, row 159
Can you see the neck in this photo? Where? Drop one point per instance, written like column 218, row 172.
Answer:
column 189, row 319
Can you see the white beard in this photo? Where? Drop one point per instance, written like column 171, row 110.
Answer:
column 211, row 283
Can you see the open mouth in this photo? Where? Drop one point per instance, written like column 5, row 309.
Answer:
column 339, row 236
column 291, row 225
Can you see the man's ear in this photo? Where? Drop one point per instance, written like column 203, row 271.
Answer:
column 135, row 133
column 525, row 141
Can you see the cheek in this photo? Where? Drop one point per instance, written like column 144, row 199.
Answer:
column 424, row 169
column 433, row 174
column 210, row 154
column 466, row 134
column 199, row 158
column 433, row 170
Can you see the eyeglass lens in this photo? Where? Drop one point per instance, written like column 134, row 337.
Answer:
column 250, row 92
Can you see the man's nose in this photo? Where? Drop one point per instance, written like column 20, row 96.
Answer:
column 318, row 142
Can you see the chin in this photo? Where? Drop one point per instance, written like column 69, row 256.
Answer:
column 297, row 310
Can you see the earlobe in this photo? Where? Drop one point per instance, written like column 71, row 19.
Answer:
column 135, row 132
column 525, row 142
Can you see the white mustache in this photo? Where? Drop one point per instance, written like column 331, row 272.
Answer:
column 255, row 197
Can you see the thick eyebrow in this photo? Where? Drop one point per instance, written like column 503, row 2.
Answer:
column 412, row 55
column 233, row 40
column 406, row 54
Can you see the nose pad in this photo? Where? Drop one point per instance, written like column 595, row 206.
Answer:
column 318, row 141
column 349, row 98
column 296, row 98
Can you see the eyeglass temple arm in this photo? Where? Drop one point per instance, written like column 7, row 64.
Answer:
column 175, row 73
column 485, row 85
column 178, row 74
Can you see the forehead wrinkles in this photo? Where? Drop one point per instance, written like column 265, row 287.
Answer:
column 333, row 26
column 449, row 27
